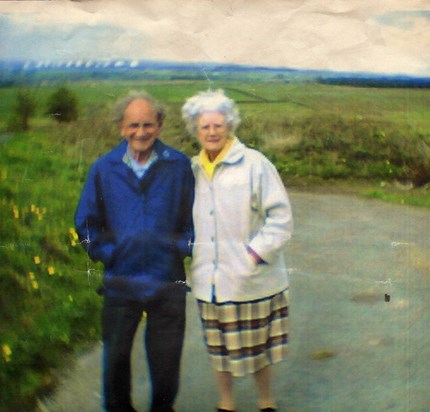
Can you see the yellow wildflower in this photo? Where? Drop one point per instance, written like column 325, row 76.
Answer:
column 15, row 212
column 6, row 352
column 34, row 284
column 73, row 234
column 36, row 260
column 31, row 275
column 51, row 270
column 33, row 208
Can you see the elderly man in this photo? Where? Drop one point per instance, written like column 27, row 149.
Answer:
column 135, row 217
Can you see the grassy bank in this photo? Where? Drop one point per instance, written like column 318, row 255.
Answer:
column 49, row 306
column 322, row 138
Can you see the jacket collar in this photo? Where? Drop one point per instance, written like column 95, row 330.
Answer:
column 236, row 152
column 164, row 152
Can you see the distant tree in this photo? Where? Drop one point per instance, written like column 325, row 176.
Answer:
column 25, row 107
column 63, row 105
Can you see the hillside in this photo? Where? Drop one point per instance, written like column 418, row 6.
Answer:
column 30, row 72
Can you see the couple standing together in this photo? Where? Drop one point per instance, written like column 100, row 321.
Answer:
column 144, row 208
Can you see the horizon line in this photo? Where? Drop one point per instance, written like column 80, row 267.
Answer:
column 134, row 63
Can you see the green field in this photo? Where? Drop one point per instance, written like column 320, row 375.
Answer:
column 401, row 106
column 363, row 140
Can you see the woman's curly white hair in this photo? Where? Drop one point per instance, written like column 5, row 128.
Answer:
column 210, row 101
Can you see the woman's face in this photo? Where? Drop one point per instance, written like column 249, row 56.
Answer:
column 212, row 133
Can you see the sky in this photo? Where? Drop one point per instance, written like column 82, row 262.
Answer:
column 379, row 36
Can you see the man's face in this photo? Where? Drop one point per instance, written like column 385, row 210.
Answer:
column 140, row 127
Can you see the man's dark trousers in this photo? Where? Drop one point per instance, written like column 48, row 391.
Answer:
column 164, row 335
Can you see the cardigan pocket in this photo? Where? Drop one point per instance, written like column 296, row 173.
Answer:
column 249, row 266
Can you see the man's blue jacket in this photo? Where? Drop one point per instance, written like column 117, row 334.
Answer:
column 140, row 229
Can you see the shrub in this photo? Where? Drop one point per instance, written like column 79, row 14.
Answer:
column 25, row 107
column 63, row 105
column 413, row 154
column 330, row 146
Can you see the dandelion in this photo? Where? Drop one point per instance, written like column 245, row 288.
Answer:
column 6, row 352
column 33, row 282
column 73, row 234
column 15, row 212
column 73, row 237
column 51, row 270
column 36, row 260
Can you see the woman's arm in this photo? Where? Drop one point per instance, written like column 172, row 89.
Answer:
column 272, row 202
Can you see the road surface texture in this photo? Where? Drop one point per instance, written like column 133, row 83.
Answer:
column 359, row 322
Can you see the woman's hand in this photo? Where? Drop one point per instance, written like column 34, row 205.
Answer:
column 255, row 257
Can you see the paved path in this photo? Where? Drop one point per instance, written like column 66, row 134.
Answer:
column 360, row 320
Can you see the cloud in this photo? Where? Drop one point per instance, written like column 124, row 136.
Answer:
column 59, row 33
column 338, row 35
column 406, row 20
column 405, row 41
column 60, row 41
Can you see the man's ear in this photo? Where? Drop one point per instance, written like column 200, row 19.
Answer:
column 121, row 128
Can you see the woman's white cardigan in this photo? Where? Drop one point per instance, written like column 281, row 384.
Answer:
column 245, row 204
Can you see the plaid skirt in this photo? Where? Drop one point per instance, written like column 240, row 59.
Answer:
column 244, row 337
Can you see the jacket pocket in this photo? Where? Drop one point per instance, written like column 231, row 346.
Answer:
column 250, row 267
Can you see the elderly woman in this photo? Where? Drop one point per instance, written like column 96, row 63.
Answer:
column 243, row 221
